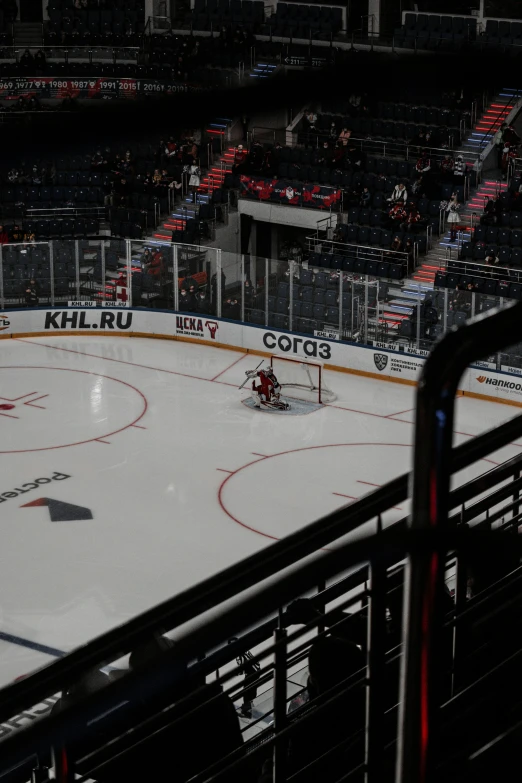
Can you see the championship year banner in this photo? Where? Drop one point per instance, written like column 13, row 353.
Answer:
column 52, row 87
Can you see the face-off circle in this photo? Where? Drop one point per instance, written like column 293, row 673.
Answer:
column 267, row 495
column 53, row 407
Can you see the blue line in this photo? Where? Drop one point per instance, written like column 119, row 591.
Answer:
column 42, row 648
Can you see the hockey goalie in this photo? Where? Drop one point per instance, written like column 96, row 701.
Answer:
column 266, row 391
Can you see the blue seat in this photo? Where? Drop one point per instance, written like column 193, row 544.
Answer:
column 307, row 310
column 281, row 305
column 363, row 235
column 330, row 299
column 305, row 276
column 332, row 315
column 375, row 236
column 319, row 312
column 283, row 290
column 319, row 296
column 307, row 293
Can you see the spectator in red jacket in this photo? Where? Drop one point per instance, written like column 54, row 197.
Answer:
column 4, row 236
column 412, row 219
column 240, row 158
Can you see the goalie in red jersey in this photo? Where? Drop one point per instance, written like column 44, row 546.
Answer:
column 266, row 391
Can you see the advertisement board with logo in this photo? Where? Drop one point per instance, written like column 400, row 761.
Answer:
column 399, row 366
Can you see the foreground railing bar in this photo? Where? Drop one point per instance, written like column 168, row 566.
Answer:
column 441, row 374
column 35, row 739
column 501, row 494
column 230, row 582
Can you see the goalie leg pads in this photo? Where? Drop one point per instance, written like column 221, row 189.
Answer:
column 257, row 398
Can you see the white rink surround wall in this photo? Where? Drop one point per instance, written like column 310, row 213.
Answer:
column 370, row 361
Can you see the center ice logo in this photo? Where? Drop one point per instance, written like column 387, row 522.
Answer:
column 381, row 361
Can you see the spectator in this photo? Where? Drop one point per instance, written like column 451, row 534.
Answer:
column 4, row 236
column 157, row 265
column 423, row 165
column 26, row 62
column 240, row 158
column 97, row 160
column 459, row 170
column 499, row 142
column 324, row 155
column 396, row 245
column 511, row 137
column 417, row 187
column 409, row 248
column 326, row 734
column 16, row 234
column 333, row 133
column 492, row 212
column 399, row 194
column 344, row 136
column 194, row 173
column 146, row 258
column 412, row 220
column 40, row 61
column 508, row 154
column 462, row 299
column 354, row 102
column 310, row 124
column 447, row 165
column 396, row 216
column 171, row 148
column 203, row 304
column 492, row 261
column 248, row 294
column 189, row 282
column 453, row 217
column 187, row 301
column 175, row 187
column 366, row 198
column 232, row 309
column 31, row 293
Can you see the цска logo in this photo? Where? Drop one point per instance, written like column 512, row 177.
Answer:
column 381, row 361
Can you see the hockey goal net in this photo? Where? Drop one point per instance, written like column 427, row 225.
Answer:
column 301, row 378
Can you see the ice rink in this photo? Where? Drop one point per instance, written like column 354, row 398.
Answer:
column 131, row 470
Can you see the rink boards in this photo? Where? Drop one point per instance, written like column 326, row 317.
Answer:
column 382, row 363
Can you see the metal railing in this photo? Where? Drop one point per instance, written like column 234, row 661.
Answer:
column 430, row 506
column 89, row 54
column 262, row 586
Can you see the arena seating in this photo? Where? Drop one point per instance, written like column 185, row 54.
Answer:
column 303, row 21
column 121, row 24
column 73, row 182
column 207, row 14
column 315, row 303
column 430, row 29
